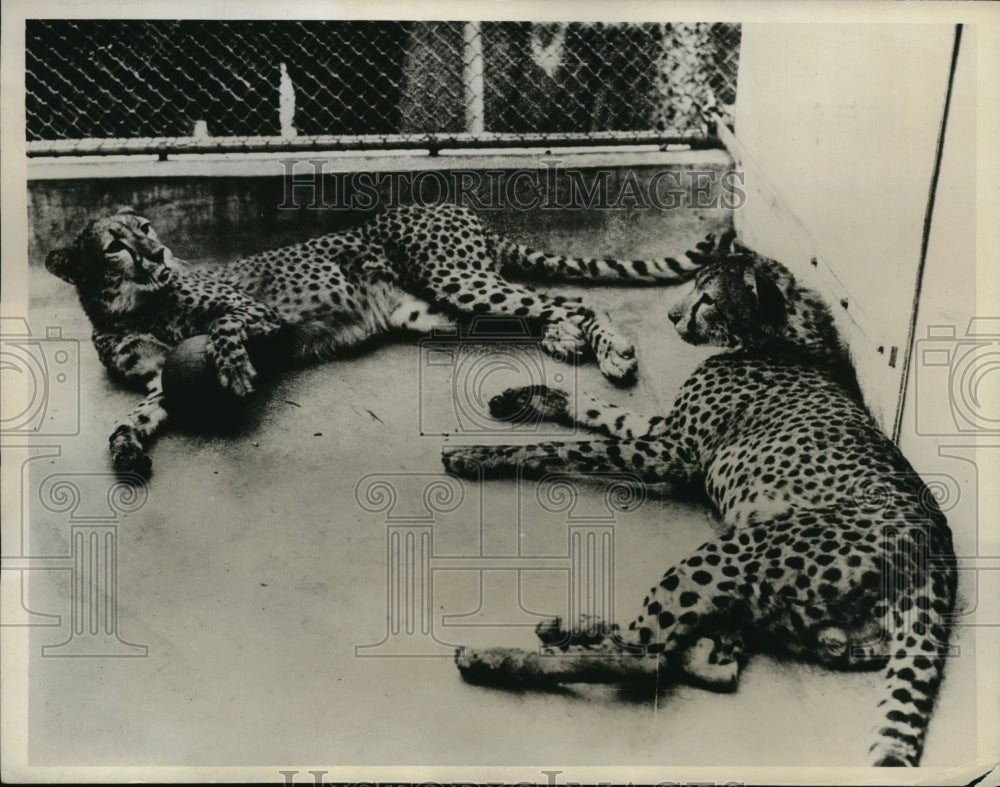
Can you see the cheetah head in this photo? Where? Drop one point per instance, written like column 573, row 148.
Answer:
column 736, row 301
column 118, row 253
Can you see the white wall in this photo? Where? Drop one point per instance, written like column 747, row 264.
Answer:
column 950, row 425
column 839, row 127
column 939, row 406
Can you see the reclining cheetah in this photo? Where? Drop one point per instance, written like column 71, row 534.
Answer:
column 324, row 297
column 835, row 552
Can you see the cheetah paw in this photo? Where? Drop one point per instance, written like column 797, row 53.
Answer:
column 619, row 365
column 530, row 403
column 563, row 340
column 236, row 376
column 551, row 632
column 128, row 457
column 833, row 643
column 714, row 665
column 465, row 461
column 498, row 666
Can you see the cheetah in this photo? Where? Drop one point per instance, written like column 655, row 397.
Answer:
column 833, row 549
column 406, row 269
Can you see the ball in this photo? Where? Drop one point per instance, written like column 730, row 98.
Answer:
column 190, row 380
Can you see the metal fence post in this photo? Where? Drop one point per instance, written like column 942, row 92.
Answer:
column 473, row 79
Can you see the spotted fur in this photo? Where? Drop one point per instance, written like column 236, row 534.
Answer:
column 835, row 549
column 406, row 269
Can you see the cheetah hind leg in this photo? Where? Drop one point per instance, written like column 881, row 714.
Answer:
column 588, row 334
column 711, row 662
column 590, row 632
column 591, row 652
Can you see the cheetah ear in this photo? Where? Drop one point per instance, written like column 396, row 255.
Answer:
column 63, row 263
column 739, row 248
column 726, row 243
column 771, row 304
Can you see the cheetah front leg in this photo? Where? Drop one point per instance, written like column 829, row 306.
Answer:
column 533, row 403
column 133, row 434
column 138, row 359
column 227, row 337
column 664, row 466
column 232, row 317
column 663, row 470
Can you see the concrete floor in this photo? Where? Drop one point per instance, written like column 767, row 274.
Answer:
column 252, row 573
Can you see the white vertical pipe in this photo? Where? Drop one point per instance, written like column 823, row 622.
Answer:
column 473, row 78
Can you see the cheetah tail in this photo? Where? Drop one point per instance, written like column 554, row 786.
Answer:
column 520, row 262
column 912, row 677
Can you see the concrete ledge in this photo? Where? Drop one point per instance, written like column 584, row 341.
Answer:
column 258, row 164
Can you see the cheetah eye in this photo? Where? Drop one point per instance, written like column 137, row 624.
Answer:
column 114, row 247
column 144, row 228
column 707, row 299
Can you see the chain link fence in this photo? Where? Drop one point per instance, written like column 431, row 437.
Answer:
column 114, row 86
